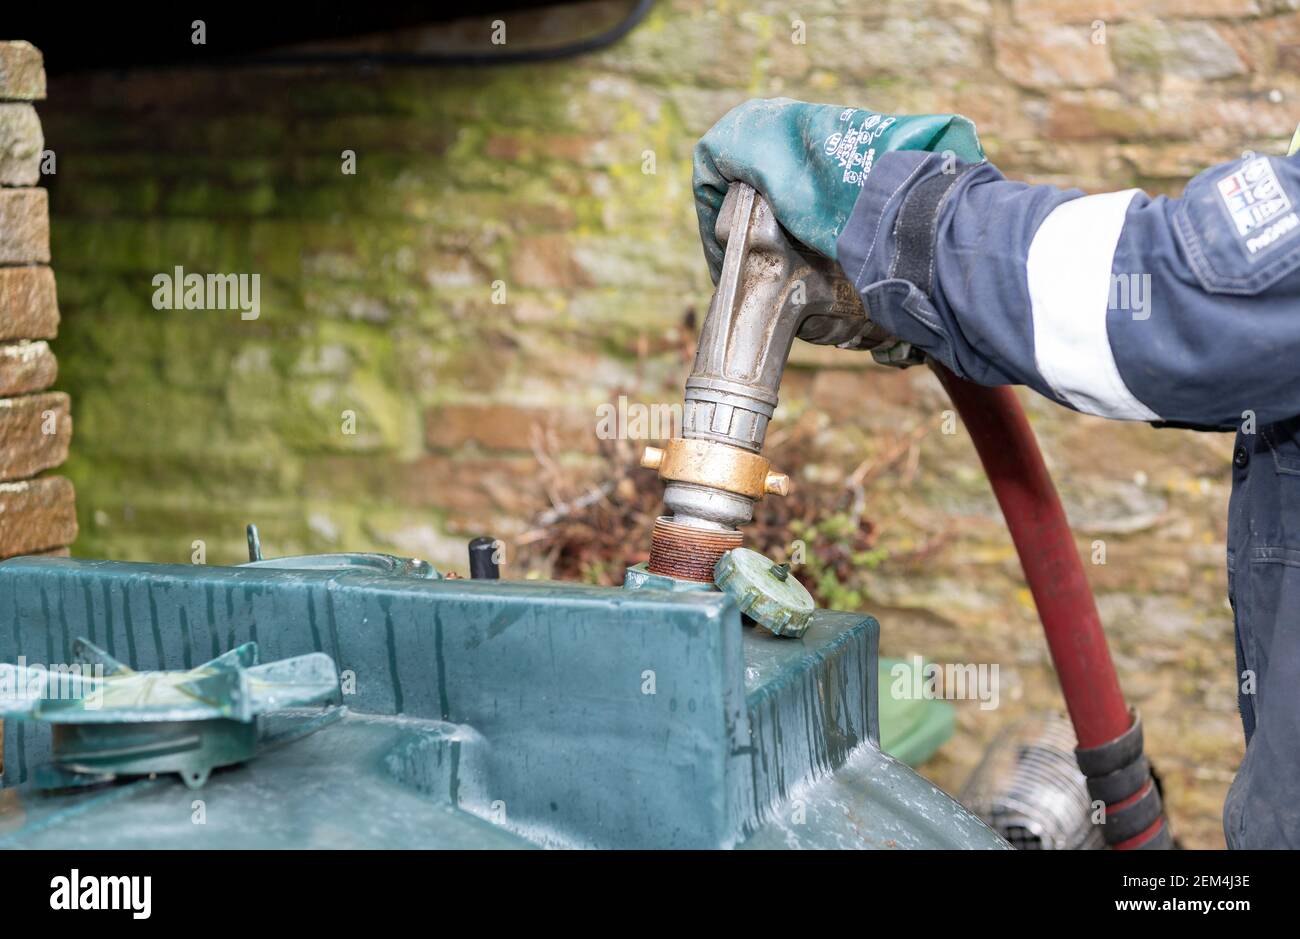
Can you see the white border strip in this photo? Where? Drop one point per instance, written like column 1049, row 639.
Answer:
column 1068, row 269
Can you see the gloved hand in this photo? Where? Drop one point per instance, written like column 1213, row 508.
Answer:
column 810, row 161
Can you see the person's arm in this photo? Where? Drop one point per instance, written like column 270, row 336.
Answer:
column 1183, row 310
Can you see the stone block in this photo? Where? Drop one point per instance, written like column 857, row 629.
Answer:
column 24, row 226
column 21, row 143
column 36, row 516
column 1042, row 57
column 34, row 434
column 29, row 306
column 26, row 367
column 22, row 72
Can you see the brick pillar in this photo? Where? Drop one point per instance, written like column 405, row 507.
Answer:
column 37, row 513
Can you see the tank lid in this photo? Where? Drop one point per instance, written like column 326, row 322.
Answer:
column 765, row 591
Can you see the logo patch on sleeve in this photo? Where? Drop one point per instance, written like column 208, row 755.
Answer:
column 1258, row 205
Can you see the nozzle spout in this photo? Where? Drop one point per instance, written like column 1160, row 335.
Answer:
column 771, row 290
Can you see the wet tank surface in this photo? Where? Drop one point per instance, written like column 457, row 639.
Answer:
column 484, row 714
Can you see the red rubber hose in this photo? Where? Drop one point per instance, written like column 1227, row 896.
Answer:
column 1007, row 448
column 1015, row 468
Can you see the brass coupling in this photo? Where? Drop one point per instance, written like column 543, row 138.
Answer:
column 716, row 465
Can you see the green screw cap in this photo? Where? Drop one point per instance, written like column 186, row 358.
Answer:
column 765, row 591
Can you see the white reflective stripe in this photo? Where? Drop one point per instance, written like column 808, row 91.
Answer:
column 1069, row 270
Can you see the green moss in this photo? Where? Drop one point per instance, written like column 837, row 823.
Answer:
column 1141, row 46
column 375, row 287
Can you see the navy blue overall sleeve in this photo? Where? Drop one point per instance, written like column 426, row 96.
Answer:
column 1179, row 310
column 1155, row 309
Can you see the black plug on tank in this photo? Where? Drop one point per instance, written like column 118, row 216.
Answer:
column 482, row 559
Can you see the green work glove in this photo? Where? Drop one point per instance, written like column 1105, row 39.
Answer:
column 810, row 161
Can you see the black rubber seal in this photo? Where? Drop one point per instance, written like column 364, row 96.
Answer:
column 1163, row 840
column 1119, row 785
column 1096, row 762
column 1132, row 820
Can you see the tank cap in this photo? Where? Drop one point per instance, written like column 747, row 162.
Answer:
column 765, row 591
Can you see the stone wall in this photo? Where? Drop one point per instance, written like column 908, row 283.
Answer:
column 517, row 247
column 37, row 513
